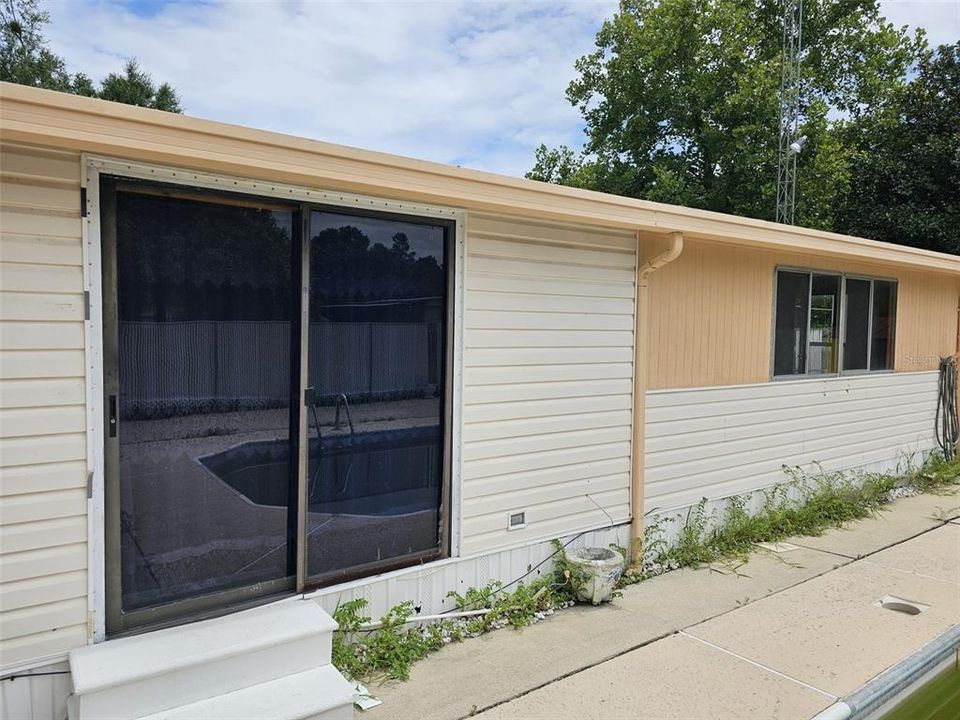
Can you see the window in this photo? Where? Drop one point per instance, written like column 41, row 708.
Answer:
column 868, row 341
column 808, row 317
column 815, row 310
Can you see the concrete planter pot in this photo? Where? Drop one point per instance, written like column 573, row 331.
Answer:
column 599, row 569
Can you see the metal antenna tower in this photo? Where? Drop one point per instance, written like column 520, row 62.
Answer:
column 790, row 144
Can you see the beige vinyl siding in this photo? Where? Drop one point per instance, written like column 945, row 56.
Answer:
column 43, row 446
column 718, row 442
column 548, row 368
column 712, row 313
column 926, row 319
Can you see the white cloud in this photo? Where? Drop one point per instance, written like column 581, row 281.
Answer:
column 939, row 18
column 473, row 83
column 478, row 84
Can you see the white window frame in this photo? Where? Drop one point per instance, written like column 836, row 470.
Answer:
column 92, row 167
column 841, row 325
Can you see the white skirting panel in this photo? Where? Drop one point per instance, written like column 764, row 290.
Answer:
column 427, row 586
column 726, row 441
column 40, row 696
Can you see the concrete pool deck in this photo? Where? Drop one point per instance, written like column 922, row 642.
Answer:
column 782, row 636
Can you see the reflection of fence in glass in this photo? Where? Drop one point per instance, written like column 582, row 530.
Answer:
column 822, row 340
column 820, row 357
column 177, row 368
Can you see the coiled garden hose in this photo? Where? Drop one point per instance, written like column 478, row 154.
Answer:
column 947, row 424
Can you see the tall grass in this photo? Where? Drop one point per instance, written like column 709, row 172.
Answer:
column 807, row 504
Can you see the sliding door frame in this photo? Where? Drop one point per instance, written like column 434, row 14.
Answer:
column 101, row 350
column 118, row 621
column 305, row 581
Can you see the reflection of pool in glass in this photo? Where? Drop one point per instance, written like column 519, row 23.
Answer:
column 385, row 472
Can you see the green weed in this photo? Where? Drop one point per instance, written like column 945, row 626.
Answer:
column 806, row 504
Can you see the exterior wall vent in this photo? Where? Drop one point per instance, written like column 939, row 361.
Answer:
column 516, row 520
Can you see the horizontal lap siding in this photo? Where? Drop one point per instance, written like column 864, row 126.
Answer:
column 719, row 442
column 548, row 368
column 712, row 312
column 43, row 530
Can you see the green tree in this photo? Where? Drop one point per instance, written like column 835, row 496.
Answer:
column 25, row 59
column 680, row 101
column 905, row 172
column 24, row 56
column 558, row 165
column 135, row 87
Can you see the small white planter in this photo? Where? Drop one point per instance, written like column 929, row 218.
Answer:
column 600, row 569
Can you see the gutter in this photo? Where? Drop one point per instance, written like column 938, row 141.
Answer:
column 69, row 122
column 640, row 363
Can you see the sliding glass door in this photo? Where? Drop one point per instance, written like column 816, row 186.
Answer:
column 377, row 390
column 199, row 376
column 276, row 397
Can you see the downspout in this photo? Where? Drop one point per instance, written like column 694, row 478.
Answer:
column 640, row 363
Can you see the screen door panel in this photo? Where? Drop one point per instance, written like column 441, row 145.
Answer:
column 377, row 378
column 200, row 408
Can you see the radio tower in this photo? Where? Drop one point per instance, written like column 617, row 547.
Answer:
column 790, row 144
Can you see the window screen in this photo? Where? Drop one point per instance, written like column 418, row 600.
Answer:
column 810, row 312
column 857, row 334
column 793, row 305
column 882, row 325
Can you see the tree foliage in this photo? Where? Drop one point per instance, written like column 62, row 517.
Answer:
column 680, row 102
column 905, row 171
column 135, row 87
column 25, row 59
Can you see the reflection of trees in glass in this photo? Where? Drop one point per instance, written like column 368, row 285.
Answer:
column 188, row 260
column 822, row 312
column 346, row 268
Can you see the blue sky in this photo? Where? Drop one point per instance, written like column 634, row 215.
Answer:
column 478, row 84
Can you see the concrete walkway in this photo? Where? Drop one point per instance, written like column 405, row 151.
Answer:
column 782, row 636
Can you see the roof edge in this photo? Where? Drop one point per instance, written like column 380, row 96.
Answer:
column 52, row 119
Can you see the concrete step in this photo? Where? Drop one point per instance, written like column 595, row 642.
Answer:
column 161, row 670
column 318, row 694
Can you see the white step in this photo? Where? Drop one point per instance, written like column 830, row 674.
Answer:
column 316, row 694
column 136, row 676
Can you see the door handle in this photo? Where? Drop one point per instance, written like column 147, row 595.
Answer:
column 112, row 416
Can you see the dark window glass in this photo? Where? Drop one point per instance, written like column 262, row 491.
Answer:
column 855, row 343
column 377, row 338
column 883, row 323
column 824, row 324
column 792, row 311
column 204, row 322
